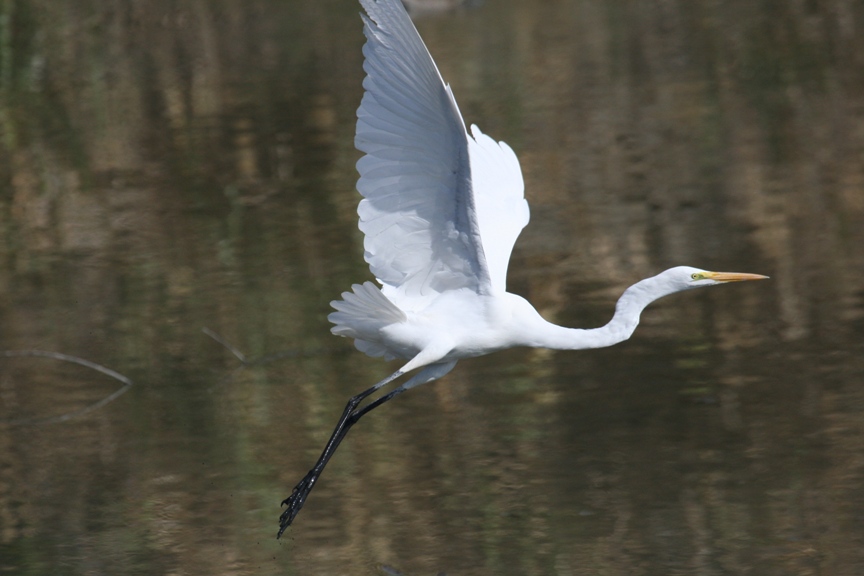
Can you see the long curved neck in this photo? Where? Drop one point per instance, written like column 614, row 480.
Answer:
column 620, row 328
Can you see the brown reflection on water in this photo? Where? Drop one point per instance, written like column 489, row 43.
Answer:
column 171, row 166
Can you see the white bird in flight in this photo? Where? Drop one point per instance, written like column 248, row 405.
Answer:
column 441, row 211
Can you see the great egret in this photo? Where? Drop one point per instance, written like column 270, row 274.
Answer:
column 441, row 212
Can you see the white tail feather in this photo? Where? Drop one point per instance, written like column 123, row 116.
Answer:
column 362, row 314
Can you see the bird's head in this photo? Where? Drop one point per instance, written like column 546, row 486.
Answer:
column 687, row 277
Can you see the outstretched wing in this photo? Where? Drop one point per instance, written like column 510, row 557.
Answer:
column 419, row 214
column 499, row 195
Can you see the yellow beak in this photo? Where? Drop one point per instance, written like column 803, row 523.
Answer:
column 734, row 276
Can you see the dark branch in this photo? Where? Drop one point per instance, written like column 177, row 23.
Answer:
column 127, row 383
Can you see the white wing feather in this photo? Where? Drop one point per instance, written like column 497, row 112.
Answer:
column 499, row 194
column 426, row 230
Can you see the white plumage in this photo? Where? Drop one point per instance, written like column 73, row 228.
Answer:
column 441, row 211
column 433, row 195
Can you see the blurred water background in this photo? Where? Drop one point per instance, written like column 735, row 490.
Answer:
column 168, row 166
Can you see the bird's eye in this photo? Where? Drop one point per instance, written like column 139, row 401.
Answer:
column 696, row 276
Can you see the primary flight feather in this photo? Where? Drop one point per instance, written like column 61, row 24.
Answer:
column 441, row 211
column 441, row 208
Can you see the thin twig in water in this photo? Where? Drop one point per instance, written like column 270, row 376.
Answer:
column 240, row 356
column 266, row 359
column 261, row 360
column 127, row 383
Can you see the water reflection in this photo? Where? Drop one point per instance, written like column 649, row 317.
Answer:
column 172, row 166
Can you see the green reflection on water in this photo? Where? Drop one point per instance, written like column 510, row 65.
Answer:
column 173, row 166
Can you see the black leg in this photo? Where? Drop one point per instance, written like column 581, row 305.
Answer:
column 295, row 501
column 350, row 416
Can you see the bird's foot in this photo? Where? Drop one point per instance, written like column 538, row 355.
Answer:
column 295, row 501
